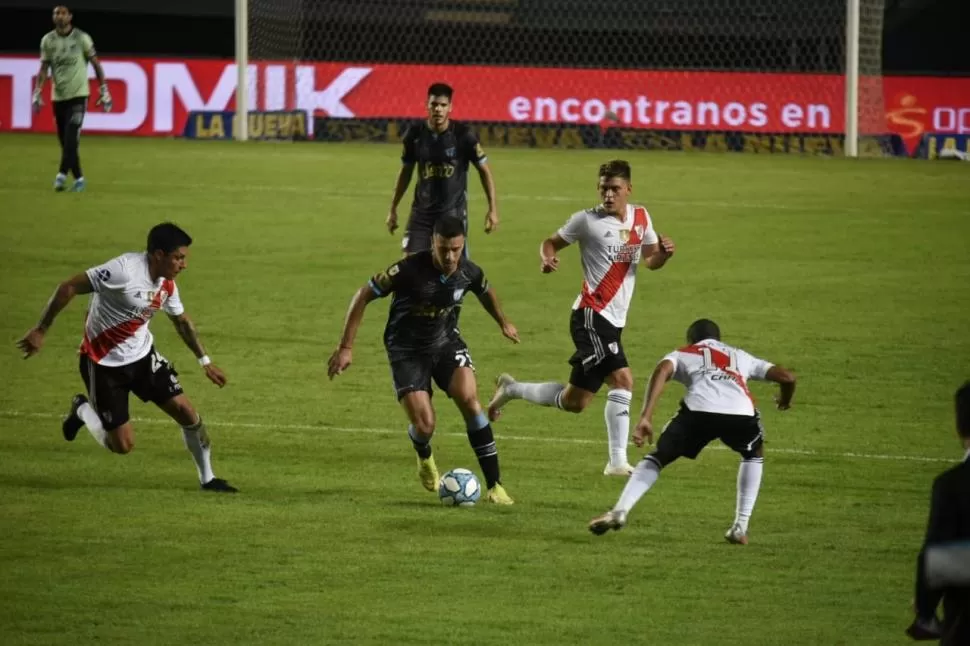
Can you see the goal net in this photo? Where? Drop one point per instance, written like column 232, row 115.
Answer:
column 768, row 66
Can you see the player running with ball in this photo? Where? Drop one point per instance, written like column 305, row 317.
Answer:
column 423, row 345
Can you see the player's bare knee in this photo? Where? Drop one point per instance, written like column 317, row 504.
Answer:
column 121, row 444
column 621, row 379
column 468, row 404
column 573, row 406
column 575, row 400
column 181, row 410
column 424, row 423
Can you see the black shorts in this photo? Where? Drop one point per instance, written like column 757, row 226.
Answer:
column 69, row 111
column 599, row 351
column 420, row 228
column 152, row 378
column 414, row 372
column 688, row 432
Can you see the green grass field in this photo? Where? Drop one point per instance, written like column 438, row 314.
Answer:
column 855, row 274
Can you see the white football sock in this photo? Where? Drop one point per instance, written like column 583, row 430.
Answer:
column 93, row 423
column 617, row 413
column 644, row 477
column 749, row 483
column 197, row 442
column 544, row 394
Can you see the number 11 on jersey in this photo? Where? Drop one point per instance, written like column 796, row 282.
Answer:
column 717, row 360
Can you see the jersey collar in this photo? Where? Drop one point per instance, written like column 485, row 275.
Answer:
column 626, row 216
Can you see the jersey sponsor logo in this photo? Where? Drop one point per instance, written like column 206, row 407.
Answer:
column 430, row 311
column 450, row 152
column 623, row 253
column 437, row 171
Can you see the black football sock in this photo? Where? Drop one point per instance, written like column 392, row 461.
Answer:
column 483, row 443
column 422, row 445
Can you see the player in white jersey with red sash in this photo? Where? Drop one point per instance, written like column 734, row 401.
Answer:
column 118, row 355
column 613, row 238
column 718, row 405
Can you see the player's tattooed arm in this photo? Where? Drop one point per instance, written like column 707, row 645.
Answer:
column 490, row 302
column 98, row 70
column 32, row 341
column 342, row 357
column 186, row 330
column 190, row 336
column 661, row 375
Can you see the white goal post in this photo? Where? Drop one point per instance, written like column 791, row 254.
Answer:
column 805, row 41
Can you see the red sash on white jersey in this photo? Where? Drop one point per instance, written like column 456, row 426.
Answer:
column 612, row 280
column 99, row 347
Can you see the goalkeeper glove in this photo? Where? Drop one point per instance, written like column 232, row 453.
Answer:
column 37, row 101
column 105, row 99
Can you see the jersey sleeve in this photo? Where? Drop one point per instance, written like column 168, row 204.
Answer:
column 45, row 56
column 472, row 148
column 410, row 153
column 479, row 284
column 650, row 236
column 575, row 227
column 752, row 367
column 389, row 280
column 173, row 305
column 680, row 369
column 110, row 276
column 87, row 46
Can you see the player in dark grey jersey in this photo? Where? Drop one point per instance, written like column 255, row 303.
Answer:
column 441, row 150
column 423, row 345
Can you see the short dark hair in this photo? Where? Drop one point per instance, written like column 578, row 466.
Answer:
column 449, row 227
column 703, row 329
column 167, row 237
column 963, row 410
column 440, row 89
column 616, row 168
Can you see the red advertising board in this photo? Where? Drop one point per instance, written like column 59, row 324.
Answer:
column 153, row 96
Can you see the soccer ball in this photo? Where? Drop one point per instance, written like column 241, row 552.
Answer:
column 459, row 487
